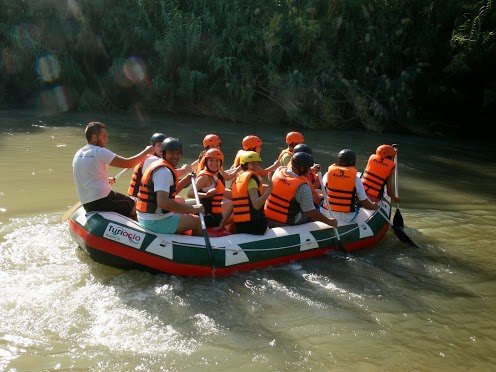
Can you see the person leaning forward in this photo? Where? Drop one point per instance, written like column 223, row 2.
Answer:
column 90, row 172
column 157, row 208
column 291, row 202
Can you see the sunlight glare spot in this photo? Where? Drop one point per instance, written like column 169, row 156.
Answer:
column 48, row 68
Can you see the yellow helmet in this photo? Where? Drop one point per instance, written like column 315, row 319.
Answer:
column 249, row 157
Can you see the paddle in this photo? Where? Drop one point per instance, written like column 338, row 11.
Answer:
column 400, row 233
column 398, row 218
column 203, row 226
column 68, row 213
column 326, row 200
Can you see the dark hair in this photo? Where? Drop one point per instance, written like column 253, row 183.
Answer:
column 92, row 128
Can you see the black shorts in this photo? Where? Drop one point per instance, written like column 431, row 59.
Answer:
column 213, row 220
column 252, row 227
column 113, row 202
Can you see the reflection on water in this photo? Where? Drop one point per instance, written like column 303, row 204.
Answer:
column 392, row 307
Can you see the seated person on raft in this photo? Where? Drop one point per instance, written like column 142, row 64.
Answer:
column 157, row 209
column 249, row 196
column 211, row 186
column 345, row 189
column 291, row 202
column 379, row 174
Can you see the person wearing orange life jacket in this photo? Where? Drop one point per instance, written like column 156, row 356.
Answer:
column 213, row 141
column 211, row 187
column 290, row 202
column 155, row 141
column 313, row 180
column 254, row 143
column 157, row 209
column 292, row 139
column 249, row 196
column 344, row 188
column 379, row 172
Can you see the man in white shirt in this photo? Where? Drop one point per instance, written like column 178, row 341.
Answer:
column 90, row 171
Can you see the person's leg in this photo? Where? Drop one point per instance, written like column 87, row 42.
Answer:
column 189, row 222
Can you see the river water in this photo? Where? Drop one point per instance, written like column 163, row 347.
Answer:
column 391, row 307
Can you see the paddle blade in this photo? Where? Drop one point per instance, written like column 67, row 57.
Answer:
column 398, row 219
column 68, row 213
column 400, row 233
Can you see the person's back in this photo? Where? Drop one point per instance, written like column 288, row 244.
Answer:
column 291, row 202
column 90, row 171
column 379, row 172
column 292, row 139
column 283, row 204
column 344, row 188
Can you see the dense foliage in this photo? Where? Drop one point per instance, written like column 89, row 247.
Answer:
column 421, row 66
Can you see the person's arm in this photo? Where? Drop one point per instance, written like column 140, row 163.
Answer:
column 164, row 202
column 391, row 189
column 258, row 201
column 362, row 196
column 202, row 182
column 185, row 169
column 230, row 173
column 183, row 182
column 120, row 162
column 315, row 215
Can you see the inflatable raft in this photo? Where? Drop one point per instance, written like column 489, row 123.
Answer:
column 115, row 240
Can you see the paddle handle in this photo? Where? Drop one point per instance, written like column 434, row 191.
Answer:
column 396, row 193
column 120, row 173
column 203, row 225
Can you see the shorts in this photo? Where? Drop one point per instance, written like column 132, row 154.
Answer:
column 166, row 225
column 113, row 202
column 252, row 227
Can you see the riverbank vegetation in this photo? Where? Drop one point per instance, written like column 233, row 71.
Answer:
column 426, row 67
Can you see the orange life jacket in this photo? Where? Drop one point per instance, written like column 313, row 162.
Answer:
column 375, row 175
column 341, row 189
column 214, row 204
column 281, row 205
column 243, row 210
column 147, row 197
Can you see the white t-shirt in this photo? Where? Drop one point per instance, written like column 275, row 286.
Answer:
column 146, row 163
column 162, row 181
column 90, row 171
